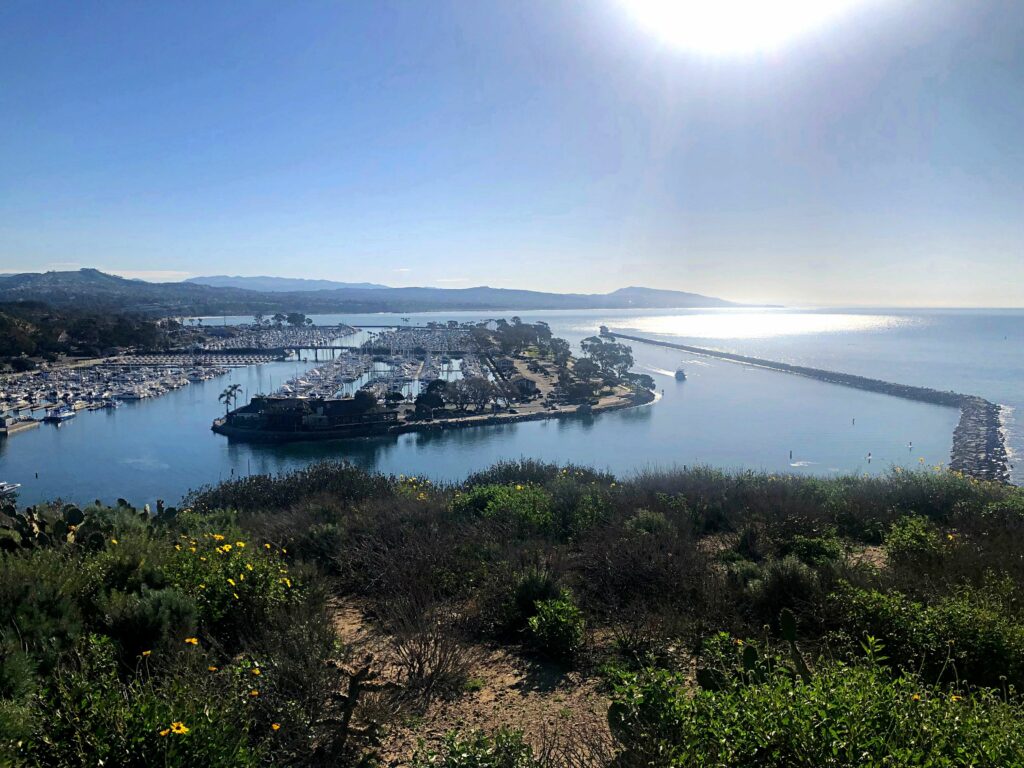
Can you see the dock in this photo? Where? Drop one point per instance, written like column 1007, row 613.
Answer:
column 979, row 447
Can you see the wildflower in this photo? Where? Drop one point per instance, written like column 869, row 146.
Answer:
column 916, row 697
column 218, row 537
column 275, row 726
column 950, row 536
column 202, row 586
column 737, row 641
column 241, row 577
column 192, row 641
column 256, row 671
column 284, row 550
column 178, row 547
column 248, row 566
column 231, row 582
column 226, row 548
column 954, row 697
column 254, row 693
column 266, row 546
column 240, row 544
column 519, row 487
column 235, row 595
column 191, row 549
column 146, row 653
column 113, row 541
column 287, row 582
column 212, row 668
column 202, row 559
column 165, row 731
column 179, row 728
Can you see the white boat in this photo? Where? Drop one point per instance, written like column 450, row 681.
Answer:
column 57, row 415
column 8, row 489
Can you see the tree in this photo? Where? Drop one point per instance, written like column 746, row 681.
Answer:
column 295, row 319
column 257, row 319
column 279, row 319
column 612, row 358
column 478, row 390
column 427, row 402
column 459, row 394
column 560, row 351
column 229, row 395
column 586, row 369
column 364, row 401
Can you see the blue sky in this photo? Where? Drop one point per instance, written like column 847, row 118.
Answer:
column 535, row 144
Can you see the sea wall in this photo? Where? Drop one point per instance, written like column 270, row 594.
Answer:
column 978, row 449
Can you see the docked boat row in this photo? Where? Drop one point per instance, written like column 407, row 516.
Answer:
column 273, row 337
column 59, row 393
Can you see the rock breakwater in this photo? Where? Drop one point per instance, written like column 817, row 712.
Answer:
column 979, row 447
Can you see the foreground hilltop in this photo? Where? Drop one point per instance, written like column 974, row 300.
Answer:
column 532, row 616
column 92, row 288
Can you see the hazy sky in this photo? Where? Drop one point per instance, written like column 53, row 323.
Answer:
column 536, row 144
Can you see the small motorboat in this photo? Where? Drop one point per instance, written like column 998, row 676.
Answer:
column 680, row 374
column 8, row 489
column 57, row 415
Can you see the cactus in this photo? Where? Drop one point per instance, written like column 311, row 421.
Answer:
column 787, row 623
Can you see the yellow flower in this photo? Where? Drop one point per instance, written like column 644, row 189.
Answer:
column 916, row 697
column 202, row 559
column 275, row 726
column 218, row 537
column 212, row 668
column 113, row 541
column 226, row 547
column 192, row 640
column 191, row 549
column 202, row 586
column 519, row 487
column 235, row 594
column 248, row 566
column 954, row 697
column 266, row 546
column 179, row 728
column 146, row 653
column 284, row 550
column 256, row 671
column 254, row 693
column 165, row 731
column 178, row 547
column 231, row 582
column 950, row 536
column 240, row 544
column 287, row 582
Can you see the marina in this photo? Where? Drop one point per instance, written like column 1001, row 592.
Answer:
column 724, row 415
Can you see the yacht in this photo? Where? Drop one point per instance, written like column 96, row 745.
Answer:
column 63, row 413
column 680, row 374
column 8, row 489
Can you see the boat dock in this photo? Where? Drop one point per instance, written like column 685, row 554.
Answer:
column 979, row 447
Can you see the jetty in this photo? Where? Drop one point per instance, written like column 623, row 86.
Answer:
column 979, row 447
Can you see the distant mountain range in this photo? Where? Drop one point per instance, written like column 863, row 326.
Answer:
column 90, row 288
column 278, row 284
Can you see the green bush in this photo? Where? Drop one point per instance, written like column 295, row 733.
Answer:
column 557, row 628
column 505, row 749
column 969, row 636
column 844, row 716
column 648, row 522
column 912, row 540
column 786, row 583
column 814, row 550
column 526, row 507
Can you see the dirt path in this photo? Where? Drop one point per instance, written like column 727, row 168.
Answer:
column 505, row 690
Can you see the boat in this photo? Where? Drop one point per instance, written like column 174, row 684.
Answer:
column 680, row 374
column 8, row 489
column 57, row 415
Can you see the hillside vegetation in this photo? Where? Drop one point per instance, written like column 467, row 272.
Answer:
column 336, row 617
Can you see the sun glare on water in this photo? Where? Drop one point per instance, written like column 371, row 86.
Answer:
column 731, row 27
column 758, row 325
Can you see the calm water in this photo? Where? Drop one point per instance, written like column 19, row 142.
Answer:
column 724, row 414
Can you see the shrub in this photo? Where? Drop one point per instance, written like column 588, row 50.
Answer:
column 814, row 550
column 509, row 609
column 911, row 540
column 968, row 636
column 843, row 716
column 557, row 629
column 526, row 507
column 153, row 619
column 786, row 583
column 648, row 522
column 505, row 749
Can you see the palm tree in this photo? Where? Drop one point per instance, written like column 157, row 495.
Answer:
column 228, row 396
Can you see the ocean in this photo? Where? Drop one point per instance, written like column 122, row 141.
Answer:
column 726, row 415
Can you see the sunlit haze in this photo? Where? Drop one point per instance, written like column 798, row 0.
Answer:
column 735, row 26
column 826, row 153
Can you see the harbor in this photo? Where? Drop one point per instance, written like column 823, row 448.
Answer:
column 978, row 448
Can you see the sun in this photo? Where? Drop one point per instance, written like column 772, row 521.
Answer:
column 734, row 27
